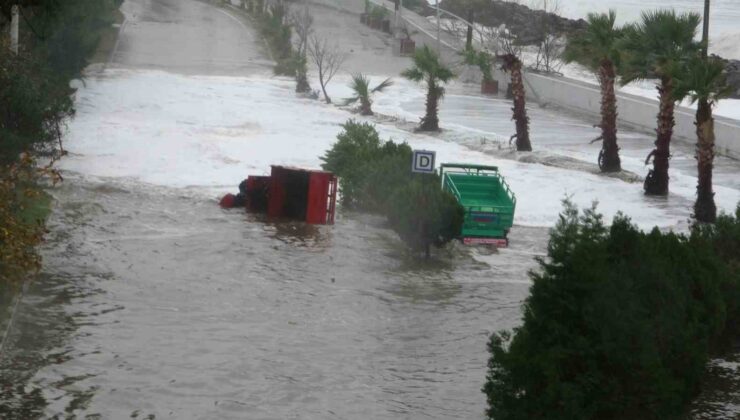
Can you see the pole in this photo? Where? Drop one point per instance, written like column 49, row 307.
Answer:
column 705, row 33
column 14, row 29
column 438, row 30
column 400, row 14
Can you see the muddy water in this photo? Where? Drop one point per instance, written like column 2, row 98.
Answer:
column 155, row 302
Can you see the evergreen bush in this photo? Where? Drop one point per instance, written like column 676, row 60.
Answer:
column 619, row 323
column 376, row 176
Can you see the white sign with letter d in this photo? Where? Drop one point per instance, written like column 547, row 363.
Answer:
column 423, row 162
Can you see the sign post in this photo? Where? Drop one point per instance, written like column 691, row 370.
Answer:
column 423, row 162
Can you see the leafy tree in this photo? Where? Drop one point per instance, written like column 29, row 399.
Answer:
column 655, row 48
column 424, row 215
column 18, row 236
column 513, row 65
column 361, row 87
column 703, row 80
column 33, row 104
column 619, row 323
column 64, row 33
column 375, row 176
column 356, row 147
column 597, row 48
column 57, row 37
column 428, row 68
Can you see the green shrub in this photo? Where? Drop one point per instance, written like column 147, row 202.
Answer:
column 376, row 176
column 619, row 323
column 274, row 28
column 33, row 102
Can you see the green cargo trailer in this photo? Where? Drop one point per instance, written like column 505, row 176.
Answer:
column 488, row 201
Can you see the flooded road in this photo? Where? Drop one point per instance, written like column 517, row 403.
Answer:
column 156, row 302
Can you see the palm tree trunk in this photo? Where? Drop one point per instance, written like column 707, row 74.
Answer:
column 656, row 183
column 365, row 106
column 705, row 210
column 520, row 110
column 609, row 156
column 430, row 122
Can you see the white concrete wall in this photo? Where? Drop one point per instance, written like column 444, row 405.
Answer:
column 634, row 111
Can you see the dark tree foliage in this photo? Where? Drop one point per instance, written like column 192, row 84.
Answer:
column 56, row 39
column 274, row 26
column 619, row 323
column 376, row 176
column 33, row 102
column 64, row 32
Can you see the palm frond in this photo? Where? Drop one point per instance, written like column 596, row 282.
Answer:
column 427, row 64
column 350, row 101
column 655, row 45
column 413, row 74
column 700, row 78
column 598, row 42
column 383, row 85
column 360, row 85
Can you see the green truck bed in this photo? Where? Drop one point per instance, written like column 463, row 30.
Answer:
column 488, row 201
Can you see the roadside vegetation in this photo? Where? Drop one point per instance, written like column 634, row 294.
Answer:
column 428, row 68
column 619, row 323
column 56, row 39
column 597, row 48
column 375, row 177
column 703, row 80
column 655, row 48
column 273, row 23
column 360, row 86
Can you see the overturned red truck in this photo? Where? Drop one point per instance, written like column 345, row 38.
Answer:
column 289, row 193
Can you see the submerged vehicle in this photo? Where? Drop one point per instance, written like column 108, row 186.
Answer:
column 289, row 193
column 487, row 199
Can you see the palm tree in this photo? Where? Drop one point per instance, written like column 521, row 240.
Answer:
column 427, row 67
column 512, row 64
column 361, row 87
column 655, row 48
column 703, row 80
column 597, row 49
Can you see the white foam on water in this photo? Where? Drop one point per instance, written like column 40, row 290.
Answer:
column 211, row 132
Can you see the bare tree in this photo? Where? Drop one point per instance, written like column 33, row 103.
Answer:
column 550, row 44
column 302, row 23
column 328, row 60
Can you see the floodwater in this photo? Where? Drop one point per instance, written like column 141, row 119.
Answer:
column 156, row 302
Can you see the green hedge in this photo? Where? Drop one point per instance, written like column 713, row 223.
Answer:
column 274, row 27
column 619, row 323
column 35, row 96
column 376, row 176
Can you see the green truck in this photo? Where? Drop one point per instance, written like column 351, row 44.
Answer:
column 488, row 201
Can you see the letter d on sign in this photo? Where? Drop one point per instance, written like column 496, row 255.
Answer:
column 423, row 162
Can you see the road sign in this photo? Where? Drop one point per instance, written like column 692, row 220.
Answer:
column 423, row 162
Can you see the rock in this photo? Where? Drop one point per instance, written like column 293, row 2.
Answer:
column 528, row 25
